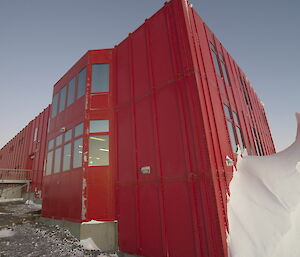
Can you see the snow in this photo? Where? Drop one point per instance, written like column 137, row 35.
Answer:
column 264, row 205
column 93, row 222
column 3, row 200
column 89, row 244
column 33, row 205
column 6, row 233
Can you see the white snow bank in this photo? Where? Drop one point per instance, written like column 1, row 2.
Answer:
column 264, row 206
column 4, row 200
column 33, row 205
column 89, row 244
column 6, row 233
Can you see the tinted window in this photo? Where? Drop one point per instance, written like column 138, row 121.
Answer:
column 67, row 157
column 240, row 138
column 215, row 58
column 57, row 160
column 99, row 126
column 79, row 130
column 49, row 163
column 81, row 83
column 77, row 153
column 71, row 92
column 68, row 135
column 99, row 150
column 225, row 73
column 231, row 135
column 54, row 106
column 62, row 99
column 100, row 78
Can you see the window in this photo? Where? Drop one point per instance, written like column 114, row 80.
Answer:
column 245, row 92
column 58, row 140
column 227, row 111
column 81, row 83
column 71, row 92
column 99, row 126
column 234, row 129
column 79, row 130
column 57, row 160
column 215, row 59
column 50, row 144
column 232, row 136
column 35, row 134
column 62, row 99
column 235, row 118
column 68, row 135
column 54, row 106
column 224, row 70
column 99, row 150
column 77, row 153
column 100, row 78
column 67, row 157
column 49, row 163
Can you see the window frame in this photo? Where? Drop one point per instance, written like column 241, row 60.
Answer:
column 103, row 133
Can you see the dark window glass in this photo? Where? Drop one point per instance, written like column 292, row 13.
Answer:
column 54, row 106
column 225, row 73
column 215, row 59
column 231, row 135
column 81, row 83
column 67, row 157
column 99, row 126
column 240, row 138
column 62, row 99
column 57, row 160
column 227, row 111
column 68, row 135
column 77, row 153
column 99, row 150
column 71, row 92
column 79, row 130
column 100, row 78
column 50, row 144
column 49, row 163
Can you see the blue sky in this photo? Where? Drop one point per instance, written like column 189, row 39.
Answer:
column 41, row 40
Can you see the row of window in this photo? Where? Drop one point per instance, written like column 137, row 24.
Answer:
column 234, row 129
column 65, row 152
column 75, row 89
column 219, row 63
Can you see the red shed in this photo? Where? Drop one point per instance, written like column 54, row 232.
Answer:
column 182, row 106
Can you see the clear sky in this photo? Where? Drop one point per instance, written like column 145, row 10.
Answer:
column 40, row 40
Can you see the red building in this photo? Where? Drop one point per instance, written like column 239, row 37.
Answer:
column 140, row 134
column 182, row 105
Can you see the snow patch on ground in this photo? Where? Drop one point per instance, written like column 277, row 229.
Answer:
column 6, row 233
column 264, row 206
column 89, row 244
column 3, row 200
column 33, row 205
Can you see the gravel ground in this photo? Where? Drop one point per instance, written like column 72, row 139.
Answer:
column 22, row 235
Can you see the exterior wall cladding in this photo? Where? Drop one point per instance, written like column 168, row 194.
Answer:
column 177, row 105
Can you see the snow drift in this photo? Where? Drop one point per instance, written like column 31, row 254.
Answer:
column 264, row 206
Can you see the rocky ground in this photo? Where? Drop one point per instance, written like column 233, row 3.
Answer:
column 21, row 234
